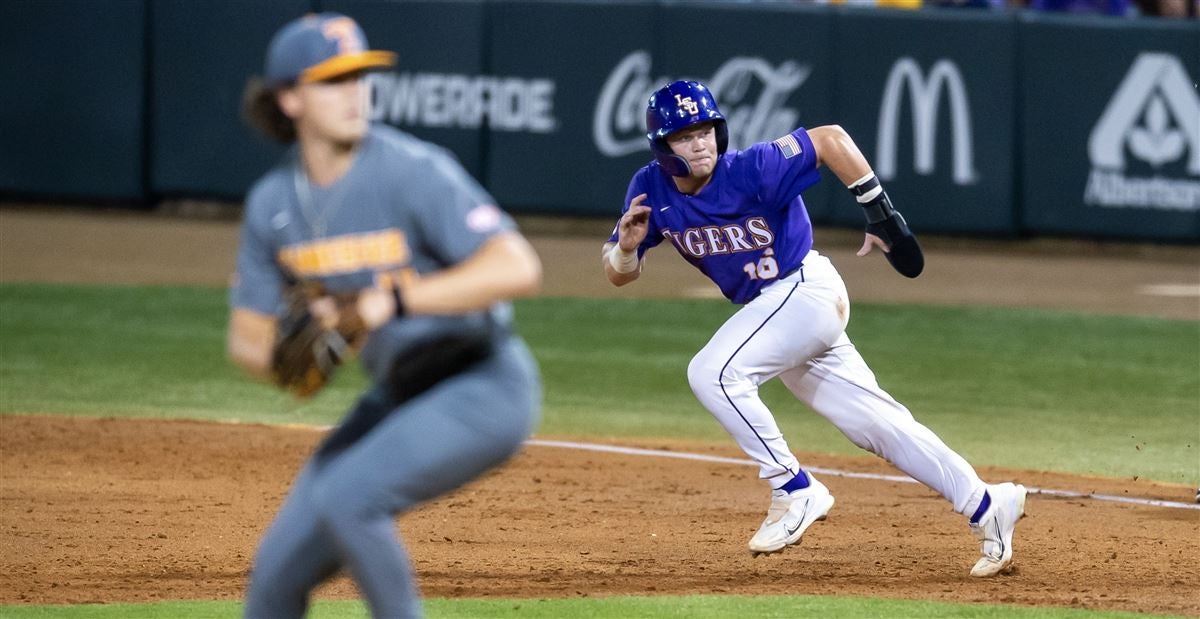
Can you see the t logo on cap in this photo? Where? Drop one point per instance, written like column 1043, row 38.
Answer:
column 344, row 31
column 320, row 47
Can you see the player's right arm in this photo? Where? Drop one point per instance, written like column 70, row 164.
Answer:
column 621, row 262
column 256, row 293
column 250, row 341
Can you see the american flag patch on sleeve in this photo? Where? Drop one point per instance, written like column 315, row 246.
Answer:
column 788, row 145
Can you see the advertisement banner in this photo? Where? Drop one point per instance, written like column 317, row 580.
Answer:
column 203, row 53
column 934, row 115
column 770, row 69
column 562, row 107
column 72, row 87
column 544, row 102
column 1112, row 129
column 578, row 156
column 439, row 90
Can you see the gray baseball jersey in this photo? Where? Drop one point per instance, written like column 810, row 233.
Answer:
column 403, row 209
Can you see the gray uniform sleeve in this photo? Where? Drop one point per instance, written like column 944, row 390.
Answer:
column 457, row 215
column 258, row 281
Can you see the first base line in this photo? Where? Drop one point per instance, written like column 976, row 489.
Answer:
column 904, row 479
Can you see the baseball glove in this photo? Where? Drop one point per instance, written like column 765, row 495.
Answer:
column 306, row 354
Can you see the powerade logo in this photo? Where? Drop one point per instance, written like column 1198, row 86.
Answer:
column 446, row 100
column 1154, row 116
column 751, row 93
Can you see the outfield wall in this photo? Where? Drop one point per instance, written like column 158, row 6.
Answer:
column 987, row 123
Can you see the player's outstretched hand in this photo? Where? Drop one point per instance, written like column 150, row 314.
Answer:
column 634, row 224
column 870, row 241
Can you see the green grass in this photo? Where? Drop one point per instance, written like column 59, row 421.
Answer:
column 1027, row 389
column 1098, row 395
column 664, row 607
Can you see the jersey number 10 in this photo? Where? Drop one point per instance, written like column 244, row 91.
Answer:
column 765, row 268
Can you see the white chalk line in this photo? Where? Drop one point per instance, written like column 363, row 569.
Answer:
column 1171, row 290
column 681, row 455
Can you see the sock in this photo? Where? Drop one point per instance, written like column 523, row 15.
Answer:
column 799, row 482
column 984, row 504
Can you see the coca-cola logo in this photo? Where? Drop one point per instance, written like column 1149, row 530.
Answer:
column 751, row 92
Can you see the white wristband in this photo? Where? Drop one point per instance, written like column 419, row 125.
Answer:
column 622, row 261
column 863, row 197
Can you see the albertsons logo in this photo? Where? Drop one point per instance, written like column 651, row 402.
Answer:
column 1154, row 116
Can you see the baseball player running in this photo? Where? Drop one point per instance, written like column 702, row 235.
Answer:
column 391, row 236
column 739, row 218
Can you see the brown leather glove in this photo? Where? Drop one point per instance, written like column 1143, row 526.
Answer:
column 306, row 354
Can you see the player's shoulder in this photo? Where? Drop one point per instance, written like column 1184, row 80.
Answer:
column 796, row 138
column 416, row 160
column 271, row 189
column 786, row 146
column 394, row 143
column 646, row 176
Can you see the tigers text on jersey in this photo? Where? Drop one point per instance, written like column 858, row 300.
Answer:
column 748, row 226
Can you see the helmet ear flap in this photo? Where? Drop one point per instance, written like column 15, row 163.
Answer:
column 722, row 131
column 670, row 162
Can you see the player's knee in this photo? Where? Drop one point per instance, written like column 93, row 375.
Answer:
column 712, row 374
column 860, row 426
column 861, row 437
column 338, row 504
column 704, row 373
column 877, row 434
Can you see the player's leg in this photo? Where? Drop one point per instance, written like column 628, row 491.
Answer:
column 435, row 443
column 840, row 387
column 781, row 328
column 293, row 557
column 789, row 323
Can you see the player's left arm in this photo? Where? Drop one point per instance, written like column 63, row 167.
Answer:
column 886, row 228
column 504, row 267
column 485, row 259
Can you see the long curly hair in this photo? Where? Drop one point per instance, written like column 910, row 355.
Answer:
column 260, row 110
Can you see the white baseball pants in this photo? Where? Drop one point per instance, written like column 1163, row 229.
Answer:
column 795, row 329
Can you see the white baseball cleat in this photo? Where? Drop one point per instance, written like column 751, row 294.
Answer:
column 995, row 528
column 789, row 517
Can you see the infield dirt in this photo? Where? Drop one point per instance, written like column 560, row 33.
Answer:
column 108, row 510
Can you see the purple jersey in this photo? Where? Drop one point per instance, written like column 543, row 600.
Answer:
column 748, row 226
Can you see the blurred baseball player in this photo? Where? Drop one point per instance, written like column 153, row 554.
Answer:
column 417, row 254
column 738, row 217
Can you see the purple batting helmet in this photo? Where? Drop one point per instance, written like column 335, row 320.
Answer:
column 677, row 106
